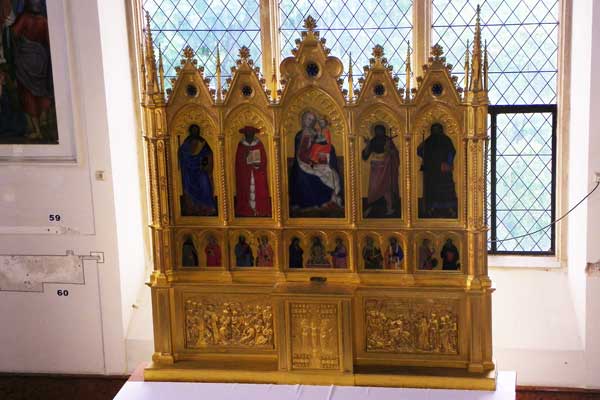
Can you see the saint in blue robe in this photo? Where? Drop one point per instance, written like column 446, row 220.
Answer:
column 195, row 162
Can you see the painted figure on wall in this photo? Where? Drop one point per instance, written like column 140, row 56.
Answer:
column 243, row 253
column 189, row 255
column 372, row 255
column 393, row 254
column 196, row 166
column 450, row 256
column 296, row 254
column 339, row 255
column 315, row 183
column 318, row 255
column 427, row 261
column 439, row 193
column 265, row 254
column 27, row 93
column 383, row 199
column 252, row 186
column 213, row 252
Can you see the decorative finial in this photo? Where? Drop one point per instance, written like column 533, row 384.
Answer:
column 467, row 66
column 350, row 79
column 188, row 53
column 378, row 51
column 310, row 24
column 218, row 76
column 408, row 71
column 437, row 51
column 244, row 53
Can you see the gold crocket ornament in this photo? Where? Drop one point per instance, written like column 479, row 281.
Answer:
column 308, row 230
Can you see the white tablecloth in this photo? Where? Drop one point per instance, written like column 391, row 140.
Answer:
column 237, row 391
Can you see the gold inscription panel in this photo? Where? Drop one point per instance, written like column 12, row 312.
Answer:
column 218, row 321
column 409, row 326
column 314, row 332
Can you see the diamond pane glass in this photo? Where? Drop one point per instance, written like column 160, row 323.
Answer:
column 524, row 162
column 352, row 26
column 522, row 38
column 202, row 24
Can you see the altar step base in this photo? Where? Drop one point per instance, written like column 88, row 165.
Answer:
column 429, row 378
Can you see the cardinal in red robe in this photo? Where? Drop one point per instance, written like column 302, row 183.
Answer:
column 252, row 186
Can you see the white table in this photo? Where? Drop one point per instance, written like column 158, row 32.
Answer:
column 136, row 390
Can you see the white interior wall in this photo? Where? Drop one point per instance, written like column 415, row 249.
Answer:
column 540, row 315
column 91, row 209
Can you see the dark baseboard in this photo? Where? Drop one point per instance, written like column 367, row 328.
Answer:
column 556, row 393
column 101, row 387
column 59, row 387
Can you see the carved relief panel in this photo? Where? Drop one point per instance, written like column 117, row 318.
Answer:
column 314, row 329
column 411, row 326
column 215, row 322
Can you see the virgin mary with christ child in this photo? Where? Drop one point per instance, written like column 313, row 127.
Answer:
column 316, row 187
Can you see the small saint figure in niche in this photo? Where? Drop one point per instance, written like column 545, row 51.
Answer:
column 372, row 255
column 189, row 254
column 439, row 193
column 393, row 254
column 383, row 199
column 264, row 256
column 449, row 256
column 196, row 166
column 315, row 183
column 213, row 252
column 339, row 254
column 427, row 260
column 296, row 253
column 251, row 183
column 243, row 253
column 318, row 255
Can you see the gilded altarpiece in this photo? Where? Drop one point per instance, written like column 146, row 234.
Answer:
column 305, row 232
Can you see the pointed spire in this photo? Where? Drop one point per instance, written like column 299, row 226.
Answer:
column 143, row 69
column 467, row 66
column 408, row 71
column 152, row 86
column 350, row 79
column 274, row 81
column 476, row 66
column 161, row 70
column 485, row 67
column 218, row 76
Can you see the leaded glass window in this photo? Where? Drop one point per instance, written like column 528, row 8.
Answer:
column 202, row 24
column 522, row 39
column 352, row 26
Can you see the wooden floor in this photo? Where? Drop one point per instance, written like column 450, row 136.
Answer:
column 50, row 387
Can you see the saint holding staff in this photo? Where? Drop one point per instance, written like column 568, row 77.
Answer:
column 383, row 197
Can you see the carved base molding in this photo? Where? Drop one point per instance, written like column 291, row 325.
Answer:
column 400, row 377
